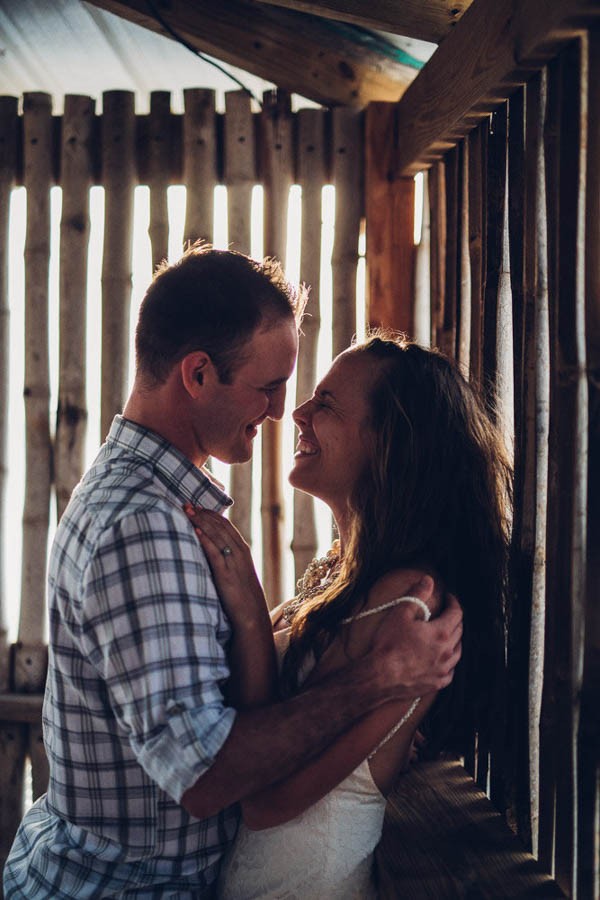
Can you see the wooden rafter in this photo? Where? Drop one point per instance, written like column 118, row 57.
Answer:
column 297, row 52
column 495, row 47
column 430, row 21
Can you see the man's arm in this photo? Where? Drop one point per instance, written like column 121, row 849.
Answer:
column 266, row 745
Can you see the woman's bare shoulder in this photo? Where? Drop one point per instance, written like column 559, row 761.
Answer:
column 398, row 583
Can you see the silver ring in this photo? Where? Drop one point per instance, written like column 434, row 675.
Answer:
column 226, row 551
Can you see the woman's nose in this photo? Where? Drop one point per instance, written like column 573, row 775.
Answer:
column 300, row 414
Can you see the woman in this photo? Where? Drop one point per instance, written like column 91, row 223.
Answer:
column 398, row 445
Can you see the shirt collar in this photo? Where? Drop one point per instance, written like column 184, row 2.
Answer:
column 181, row 475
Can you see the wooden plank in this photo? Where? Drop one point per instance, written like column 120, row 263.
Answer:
column 311, row 177
column 589, row 750
column 467, row 77
column 240, row 166
column 278, row 175
column 437, row 211
column 443, row 840
column 159, row 153
column 199, row 163
column 568, row 452
column 38, row 179
column 432, row 21
column 549, row 723
column 119, row 179
column 297, row 52
column 13, row 747
column 21, row 707
column 346, row 173
column 8, row 163
column 76, row 179
column 464, row 309
column 389, row 203
column 447, row 336
column 423, row 272
column 475, row 175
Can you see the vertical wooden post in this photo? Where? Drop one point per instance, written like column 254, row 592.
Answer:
column 346, row 171
column 311, row 177
column 199, row 163
column 8, row 164
column 464, row 311
column 589, row 749
column 437, row 207
column 240, row 166
column 447, row 336
column 119, row 179
column 476, row 199
column 38, row 178
column 278, row 175
column 76, row 180
column 423, row 273
column 389, row 204
column 159, row 153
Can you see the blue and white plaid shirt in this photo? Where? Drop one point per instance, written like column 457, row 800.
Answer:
column 134, row 710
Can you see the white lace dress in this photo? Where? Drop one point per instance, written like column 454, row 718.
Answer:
column 325, row 853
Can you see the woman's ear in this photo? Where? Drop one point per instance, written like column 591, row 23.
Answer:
column 195, row 368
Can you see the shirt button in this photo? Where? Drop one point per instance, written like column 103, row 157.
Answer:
column 173, row 708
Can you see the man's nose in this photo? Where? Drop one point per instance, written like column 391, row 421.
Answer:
column 277, row 403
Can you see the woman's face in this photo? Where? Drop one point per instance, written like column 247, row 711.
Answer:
column 334, row 440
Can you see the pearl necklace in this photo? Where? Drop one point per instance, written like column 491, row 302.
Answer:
column 319, row 574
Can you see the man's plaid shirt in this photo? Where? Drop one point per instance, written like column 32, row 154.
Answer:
column 134, row 710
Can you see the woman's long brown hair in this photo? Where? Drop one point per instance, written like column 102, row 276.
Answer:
column 436, row 494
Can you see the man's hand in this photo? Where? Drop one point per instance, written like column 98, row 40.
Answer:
column 419, row 657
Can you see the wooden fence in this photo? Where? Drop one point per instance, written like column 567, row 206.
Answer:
column 121, row 150
column 513, row 259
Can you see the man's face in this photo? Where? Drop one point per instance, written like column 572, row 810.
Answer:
column 256, row 393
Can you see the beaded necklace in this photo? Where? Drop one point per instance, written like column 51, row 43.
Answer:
column 319, row 575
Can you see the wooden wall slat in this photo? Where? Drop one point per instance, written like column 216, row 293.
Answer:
column 312, row 175
column 119, row 177
column 8, row 161
column 346, row 174
column 589, row 736
column 464, row 311
column 548, row 719
column 76, row 180
column 38, row 178
column 437, row 210
column 159, row 151
column 476, row 199
column 240, row 168
column 423, row 272
column 278, row 173
column 568, row 448
column 447, row 336
column 13, row 747
column 200, row 163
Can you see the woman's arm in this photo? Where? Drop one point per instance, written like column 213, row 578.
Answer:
column 288, row 798
column 251, row 653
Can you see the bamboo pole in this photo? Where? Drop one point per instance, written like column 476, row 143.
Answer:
column 29, row 672
column 423, row 273
column 311, row 177
column 119, row 178
column 76, row 180
column 278, row 174
column 589, row 748
column 8, row 164
column 199, row 163
column 549, row 725
column 160, row 151
column 464, row 311
column 346, row 171
column 240, row 177
column 475, row 175
column 437, row 208
column 568, row 448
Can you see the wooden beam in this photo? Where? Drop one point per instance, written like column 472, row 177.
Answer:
column 390, row 204
column 297, row 52
column 496, row 46
column 430, row 21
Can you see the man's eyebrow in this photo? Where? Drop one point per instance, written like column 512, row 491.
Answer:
column 275, row 383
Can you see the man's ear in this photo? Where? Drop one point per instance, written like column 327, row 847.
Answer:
column 195, row 368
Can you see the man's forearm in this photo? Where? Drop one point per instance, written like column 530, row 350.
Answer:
column 268, row 744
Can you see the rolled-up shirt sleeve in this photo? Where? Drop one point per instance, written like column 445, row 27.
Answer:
column 152, row 627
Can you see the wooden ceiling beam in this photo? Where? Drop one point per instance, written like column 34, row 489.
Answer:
column 430, row 21
column 297, row 52
column 496, row 46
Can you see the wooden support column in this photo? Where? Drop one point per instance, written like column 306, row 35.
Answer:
column 389, row 203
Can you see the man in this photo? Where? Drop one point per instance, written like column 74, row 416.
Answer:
column 146, row 759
